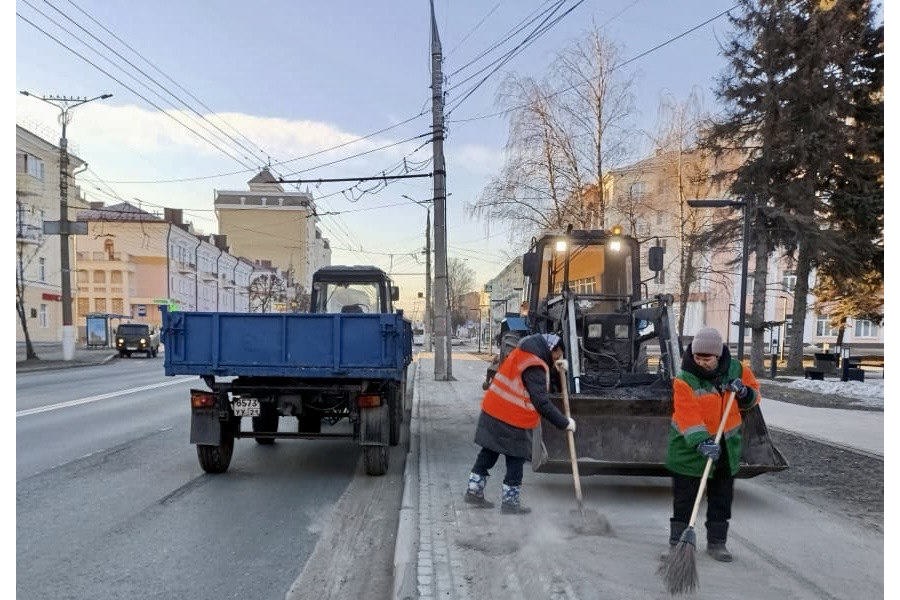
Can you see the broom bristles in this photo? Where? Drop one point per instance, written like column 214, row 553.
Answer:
column 679, row 570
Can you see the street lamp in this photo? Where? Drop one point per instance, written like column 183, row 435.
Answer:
column 429, row 325
column 65, row 104
column 711, row 203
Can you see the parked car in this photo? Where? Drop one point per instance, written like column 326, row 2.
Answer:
column 137, row 337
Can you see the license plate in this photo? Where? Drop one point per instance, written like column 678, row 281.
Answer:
column 245, row 407
column 131, row 347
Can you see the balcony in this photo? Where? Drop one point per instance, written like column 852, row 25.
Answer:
column 29, row 233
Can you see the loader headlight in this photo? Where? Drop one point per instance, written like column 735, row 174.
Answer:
column 143, row 341
column 615, row 245
column 560, row 245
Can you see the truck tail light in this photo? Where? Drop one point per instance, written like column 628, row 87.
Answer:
column 202, row 399
column 368, row 400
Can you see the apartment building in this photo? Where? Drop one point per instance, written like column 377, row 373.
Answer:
column 267, row 223
column 37, row 200
column 132, row 261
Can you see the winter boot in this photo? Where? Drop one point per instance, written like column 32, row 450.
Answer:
column 716, row 535
column 511, row 503
column 475, row 491
column 676, row 528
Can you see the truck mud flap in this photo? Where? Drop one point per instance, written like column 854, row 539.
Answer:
column 375, row 426
column 205, row 427
column 629, row 436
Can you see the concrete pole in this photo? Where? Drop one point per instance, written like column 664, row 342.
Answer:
column 443, row 368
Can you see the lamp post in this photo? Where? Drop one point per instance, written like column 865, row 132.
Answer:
column 728, row 325
column 711, row 203
column 65, row 227
column 428, row 320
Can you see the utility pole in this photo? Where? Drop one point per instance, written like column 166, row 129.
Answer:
column 429, row 312
column 64, row 227
column 443, row 369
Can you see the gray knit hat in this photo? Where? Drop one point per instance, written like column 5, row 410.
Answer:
column 707, row 341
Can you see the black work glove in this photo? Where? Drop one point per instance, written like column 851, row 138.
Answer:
column 740, row 390
column 708, row 448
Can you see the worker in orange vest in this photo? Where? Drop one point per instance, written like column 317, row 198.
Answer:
column 512, row 406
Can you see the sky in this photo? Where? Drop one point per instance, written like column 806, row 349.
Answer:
column 285, row 80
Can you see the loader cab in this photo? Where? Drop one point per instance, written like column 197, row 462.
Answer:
column 353, row 290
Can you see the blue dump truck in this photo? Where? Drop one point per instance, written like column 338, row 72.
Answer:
column 345, row 359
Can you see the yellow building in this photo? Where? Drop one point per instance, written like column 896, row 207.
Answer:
column 131, row 261
column 266, row 223
column 37, row 200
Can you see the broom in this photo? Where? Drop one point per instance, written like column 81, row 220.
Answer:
column 679, row 571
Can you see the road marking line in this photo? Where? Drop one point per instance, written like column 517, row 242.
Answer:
column 89, row 399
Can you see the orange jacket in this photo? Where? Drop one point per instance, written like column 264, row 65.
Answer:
column 507, row 399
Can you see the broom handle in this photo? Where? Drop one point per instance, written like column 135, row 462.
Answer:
column 709, row 461
column 570, row 437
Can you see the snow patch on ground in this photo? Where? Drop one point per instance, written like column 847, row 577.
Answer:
column 870, row 392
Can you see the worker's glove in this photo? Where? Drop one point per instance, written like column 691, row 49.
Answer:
column 740, row 390
column 709, row 449
column 571, row 425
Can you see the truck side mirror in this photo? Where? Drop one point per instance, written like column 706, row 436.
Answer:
column 530, row 264
column 395, row 293
column 655, row 258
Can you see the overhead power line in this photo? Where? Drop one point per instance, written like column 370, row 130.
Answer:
column 622, row 64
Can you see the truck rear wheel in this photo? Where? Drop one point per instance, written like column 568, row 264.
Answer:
column 267, row 422
column 395, row 403
column 215, row 459
column 376, row 459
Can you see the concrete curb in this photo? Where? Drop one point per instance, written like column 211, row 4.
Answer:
column 53, row 365
column 407, row 538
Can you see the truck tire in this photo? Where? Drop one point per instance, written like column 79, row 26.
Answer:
column 376, row 459
column 215, row 459
column 268, row 421
column 395, row 404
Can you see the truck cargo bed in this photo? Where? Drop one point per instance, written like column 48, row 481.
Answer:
column 301, row 345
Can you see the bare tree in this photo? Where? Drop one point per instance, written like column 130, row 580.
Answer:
column 460, row 280
column 23, row 259
column 266, row 290
column 563, row 134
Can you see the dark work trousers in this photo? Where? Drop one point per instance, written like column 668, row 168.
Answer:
column 719, row 493
column 488, row 458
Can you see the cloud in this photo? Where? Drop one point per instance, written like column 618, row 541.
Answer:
column 477, row 159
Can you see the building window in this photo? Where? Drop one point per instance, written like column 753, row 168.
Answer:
column 118, row 306
column 83, row 306
column 789, row 280
column 865, row 328
column 82, row 276
column 99, row 276
column 824, row 328
column 100, row 305
column 42, row 269
column 637, row 189
column 31, row 165
column 115, row 277
column 42, row 316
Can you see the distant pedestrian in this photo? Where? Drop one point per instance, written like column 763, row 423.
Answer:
column 699, row 392
column 512, row 406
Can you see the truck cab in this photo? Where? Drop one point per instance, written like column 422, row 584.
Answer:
column 353, row 290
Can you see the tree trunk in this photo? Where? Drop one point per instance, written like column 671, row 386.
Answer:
column 757, row 315
column 798, row 315
column 30, row 354
column 841, row 329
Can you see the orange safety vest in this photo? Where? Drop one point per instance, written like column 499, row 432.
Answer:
column 507, row 399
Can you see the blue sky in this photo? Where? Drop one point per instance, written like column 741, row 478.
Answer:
column 296, row 77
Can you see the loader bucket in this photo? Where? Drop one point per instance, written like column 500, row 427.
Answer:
column 625, row 432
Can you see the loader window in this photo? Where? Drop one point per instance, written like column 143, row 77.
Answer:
column 593, row 269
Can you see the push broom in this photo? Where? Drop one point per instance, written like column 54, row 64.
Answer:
column 679, row 571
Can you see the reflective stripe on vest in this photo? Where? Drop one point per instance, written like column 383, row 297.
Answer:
column 507, row 398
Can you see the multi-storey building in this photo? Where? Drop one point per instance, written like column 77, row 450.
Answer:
column 131, row 262
column 37, row 200
column 266, row 223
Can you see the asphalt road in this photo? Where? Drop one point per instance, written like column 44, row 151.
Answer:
column 111, row 502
